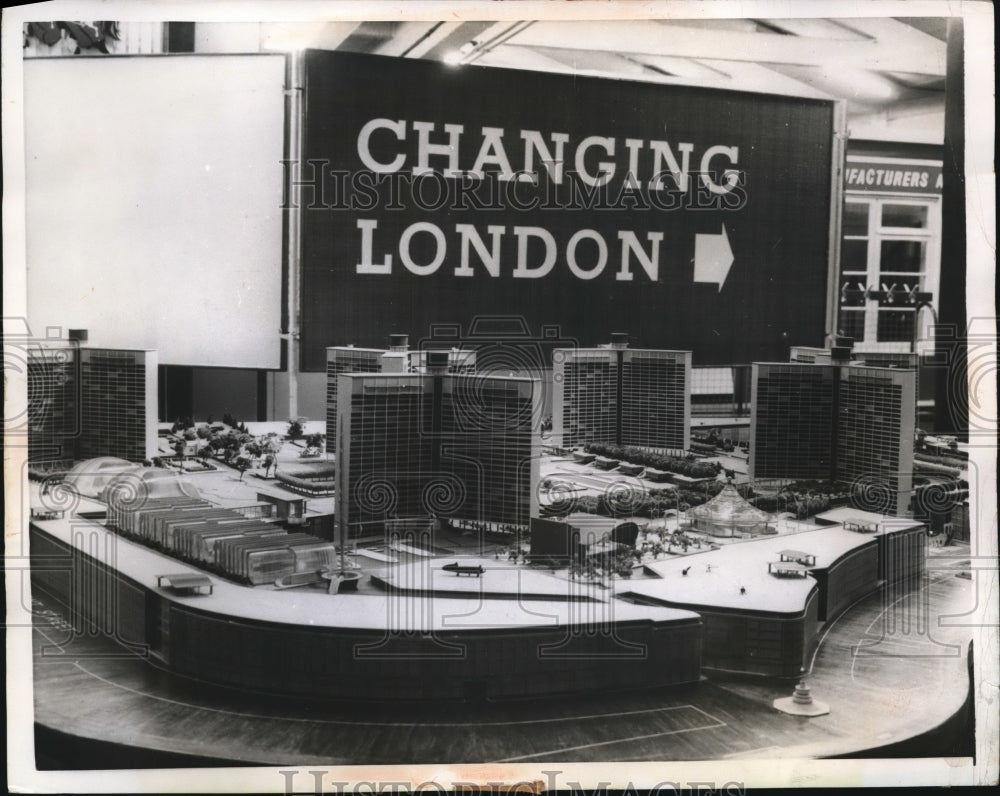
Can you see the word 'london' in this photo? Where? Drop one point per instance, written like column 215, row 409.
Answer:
column 492, row 152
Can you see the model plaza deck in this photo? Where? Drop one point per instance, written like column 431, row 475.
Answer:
column 313, row 608
column 737, row 575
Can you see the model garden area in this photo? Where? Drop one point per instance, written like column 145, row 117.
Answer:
column 193, row 447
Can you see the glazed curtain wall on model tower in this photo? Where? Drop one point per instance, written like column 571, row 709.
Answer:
column 90, row 402
column 53, row 403
column 656, row 399
column 875, row 432
column 345, row 359
column 846, row 422
column 436, row 445
column 118, row 404
column 622, row 397
column 792, row 421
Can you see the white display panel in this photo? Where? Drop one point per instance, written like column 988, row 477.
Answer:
column 154, row 190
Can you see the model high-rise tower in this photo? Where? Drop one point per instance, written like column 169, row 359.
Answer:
column 838, row 420
column 622, row 396
column 436, row 444
column 118, row 404
column 53, row 402
column 89, row 402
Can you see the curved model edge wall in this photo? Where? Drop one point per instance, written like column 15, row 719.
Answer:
column 754, row 642
column 846, row 580
column 334, row 663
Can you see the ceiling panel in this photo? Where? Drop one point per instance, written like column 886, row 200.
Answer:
column 906, row 53
column 883, row 68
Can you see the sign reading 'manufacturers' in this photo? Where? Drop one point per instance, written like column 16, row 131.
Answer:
column 892, row 175
column 690, row 218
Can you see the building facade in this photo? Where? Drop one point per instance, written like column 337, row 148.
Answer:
column 891, row 236
column 118, row 403
column 397, row 358
column 840, row 421
column 89, row 402
column 902, row 360
column 436, row 444
column 791, row 421
column 875, row 430
column 53, row 403
column 622, row 396
column 345, row 359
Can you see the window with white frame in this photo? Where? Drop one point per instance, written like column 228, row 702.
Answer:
column 888, row 242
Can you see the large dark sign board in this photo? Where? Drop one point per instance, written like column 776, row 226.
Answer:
column 691, row 218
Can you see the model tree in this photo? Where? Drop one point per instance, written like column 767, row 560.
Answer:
column 296, row 426
column 242, row 463
column 254, row 450
column 271, row 443
column 179, row 447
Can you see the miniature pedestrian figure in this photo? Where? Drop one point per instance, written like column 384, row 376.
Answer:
column 743, row 590
column 708, row 568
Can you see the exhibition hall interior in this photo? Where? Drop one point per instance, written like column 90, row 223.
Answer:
column 497, row 391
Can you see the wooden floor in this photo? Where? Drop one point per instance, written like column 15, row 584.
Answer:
column 890, row 668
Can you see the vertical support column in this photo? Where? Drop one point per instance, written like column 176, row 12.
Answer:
column 838, row 156
column 950, row 333
column 261, row 396
column 293, row 221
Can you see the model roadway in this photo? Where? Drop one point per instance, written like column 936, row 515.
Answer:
column 891, row 667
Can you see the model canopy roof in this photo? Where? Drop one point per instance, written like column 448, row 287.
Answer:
column 90, row 477
column 728, row 509
column 145, row 483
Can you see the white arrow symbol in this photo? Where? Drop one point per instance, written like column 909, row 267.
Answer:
column 712, row 258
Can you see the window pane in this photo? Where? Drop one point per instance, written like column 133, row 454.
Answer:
column 906, row 256
column 855, row 219
column 895, row 326
column 854, row 256
column 912, row 216
column 852, row 323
